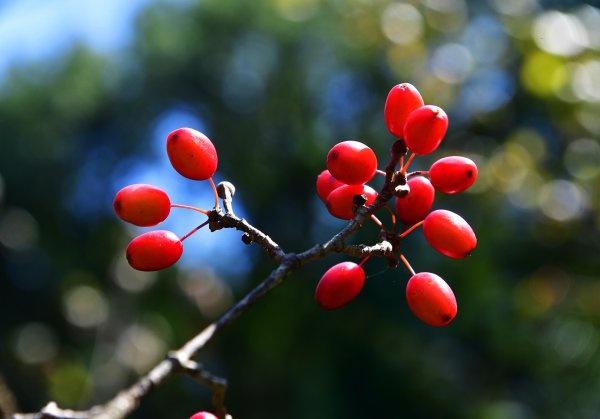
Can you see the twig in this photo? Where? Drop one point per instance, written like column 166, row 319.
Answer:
column 8, row 403
column 180, row 361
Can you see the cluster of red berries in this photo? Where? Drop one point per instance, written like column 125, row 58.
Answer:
column 193, row 155
column 351, row 164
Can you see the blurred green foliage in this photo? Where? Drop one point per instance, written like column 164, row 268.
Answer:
column 275, row 83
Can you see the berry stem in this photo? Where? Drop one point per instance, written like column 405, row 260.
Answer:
column 405, row 262
column 192, row 231
column 364, row 260
column 392, row 216
column 215, row 193
column 380, row 172
column 410, row 230
column 200, row 210
column 411, row 157
column 376, row 221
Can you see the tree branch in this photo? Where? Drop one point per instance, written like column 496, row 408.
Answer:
column 180, row 361
column 8, row 403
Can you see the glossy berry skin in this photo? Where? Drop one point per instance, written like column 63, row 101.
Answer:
column 401, row 101
column 352, row 162
column 431, row 299
column 414, row 206
column 203, row 415
column 340, row 202
column 192, row 154
column 449, row 234
column 326, row 184
column 154, row 250
column 453, row 174
column 340, row 285
column 425, row 129
column 142, row 205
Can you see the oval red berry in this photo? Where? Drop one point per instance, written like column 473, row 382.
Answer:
column 449, row 234
column 340, row 285
column 154, row 250
column 340, row 202
column 416, row 204
column 425, row 129
column 326, row 184
column 352, row 162
column 192, row 154
column 142, row 205
column 431, row 299
column 453, row 174
column 203, row 415
column 401, row 101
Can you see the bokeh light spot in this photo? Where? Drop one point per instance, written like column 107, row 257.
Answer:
column 85, row 306
column 401, row 23
column 35, row 343
column 562, row 200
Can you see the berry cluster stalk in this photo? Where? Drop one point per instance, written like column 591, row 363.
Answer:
column 180, row 361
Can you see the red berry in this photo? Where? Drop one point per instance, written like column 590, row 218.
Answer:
column 340, row 285
column 453, row 174
column 192, row 154
column 449, row 234
column 425, row 129
column 352, row 162
column 142, row 205
column 154, row 250
column 414, row 206
column 203, row 415
column 340, row 202
column 401, row 101
column 325, row 184
column 431, row 299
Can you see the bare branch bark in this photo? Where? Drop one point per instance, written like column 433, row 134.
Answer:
column 8, row 403
column 180, row 361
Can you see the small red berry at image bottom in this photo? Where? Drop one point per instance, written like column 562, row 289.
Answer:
column 454, row 174
column 154, row 250
column 415, row 205
column 340, row 202
column 431, row 299
column 341, row 284
column 402, row 99
column 203, row 415
column 192, row 154
column 352, row 162
column 142, row 205
column 425, row 129
column 326, row 184
column 449, row 234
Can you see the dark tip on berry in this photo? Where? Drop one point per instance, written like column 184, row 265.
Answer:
column 117, row 204
column 333, row 155
column 469, row 173
column 174, row 136
column 446, row 318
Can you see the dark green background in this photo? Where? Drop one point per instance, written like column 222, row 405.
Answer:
column 276, row 84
